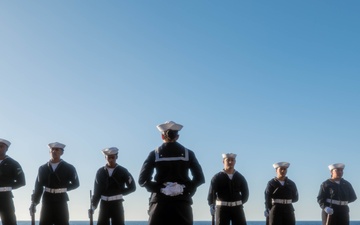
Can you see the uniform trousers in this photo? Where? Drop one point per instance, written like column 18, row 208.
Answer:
column 338, row 218
column 170, row 213
column 113, row 210
column 54, row 213
column 225, row 214
column 7, row 211
column 282, row 218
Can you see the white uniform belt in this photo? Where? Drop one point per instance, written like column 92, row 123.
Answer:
column 111, row 198
column 281, row 201
column 337, row 202
column 56, row 190
column 3, row 189
column 223, row 203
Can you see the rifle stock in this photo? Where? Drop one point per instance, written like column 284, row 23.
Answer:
column 33, row 219
column 32, row 213
column 90, row 211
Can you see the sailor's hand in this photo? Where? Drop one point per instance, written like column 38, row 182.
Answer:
column 266, row 213
column 91, row 210
column 32, row 209
column 212, row 209
column 329, row 210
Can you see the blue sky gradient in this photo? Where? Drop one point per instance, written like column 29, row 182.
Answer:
column 269, row 80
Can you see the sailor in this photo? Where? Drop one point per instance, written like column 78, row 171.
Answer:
column 11, row 177
column 280, row 193
column 334, row 196
column 112, row 182
column 228, row 193
column 172, row 188
column 55, row 178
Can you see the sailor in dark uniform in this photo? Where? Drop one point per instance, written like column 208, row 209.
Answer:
column 334, row 196
column 228, row 193
column 11, row 177
column 112, row 182
column 54, row 179
column 172, row 188
column 280, row 193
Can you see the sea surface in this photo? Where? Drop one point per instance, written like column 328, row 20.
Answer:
column 195, row 223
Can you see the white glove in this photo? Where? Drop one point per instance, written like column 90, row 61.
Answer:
column 212, row 209
column 172, row 189
column 329, row 210
column 266, row 213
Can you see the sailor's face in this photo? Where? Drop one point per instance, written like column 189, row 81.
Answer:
column 281, row 171
column 3, row 149
column 56, row 153
column 111, row 160
column 229, row 163
column 337, row 173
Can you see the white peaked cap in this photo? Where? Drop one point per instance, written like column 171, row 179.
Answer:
column 8, row 143
column 281, row 164
column 110, row 151
column 169, row 125
column 336, row 165
column 229, row 155
column 56, row 145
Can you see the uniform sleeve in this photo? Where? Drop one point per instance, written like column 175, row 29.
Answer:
column 97, row 190
column 129, row 183
column 39, row 188
column 198, row 177
column 295, row 193
column 321, row 196
column 351, row 192
column 73, row 179
column 19, row 176
column 244, row 190
column 212, row 193
column 268, row 195
column 146, row 174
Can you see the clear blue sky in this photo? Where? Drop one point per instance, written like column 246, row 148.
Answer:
column 269, row 80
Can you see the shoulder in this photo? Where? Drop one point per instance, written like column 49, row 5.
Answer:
column 290, row 181
column 67, row 165
column 11, row 161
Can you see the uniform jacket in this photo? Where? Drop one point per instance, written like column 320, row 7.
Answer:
column 172, row 162
column 341, row 192
column 120, row 182
column 229, row 190
column 64, row 176
column 274, row 190
column 11, row 175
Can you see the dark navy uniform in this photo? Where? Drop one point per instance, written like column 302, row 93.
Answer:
column 52, row 186
column 229, row 195
column 172, row 162
column 110, row 190
column 11, row 177
column 279, row 199
column 343, row 193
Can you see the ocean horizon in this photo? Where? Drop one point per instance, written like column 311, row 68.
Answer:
column 195, row 222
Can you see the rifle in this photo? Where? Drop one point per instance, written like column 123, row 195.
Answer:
column 331, row 197
column 32, row 212
column 91, row 212
column 32, row 218
column 213, row 216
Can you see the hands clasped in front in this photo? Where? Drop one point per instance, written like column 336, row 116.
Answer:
column 172, row 189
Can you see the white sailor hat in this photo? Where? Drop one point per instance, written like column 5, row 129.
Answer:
column 229, row 155
column 8, row 143
column 336, row 166
column 281, row 164
column 169, row 125
column 56, row 145
column 110, row 151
